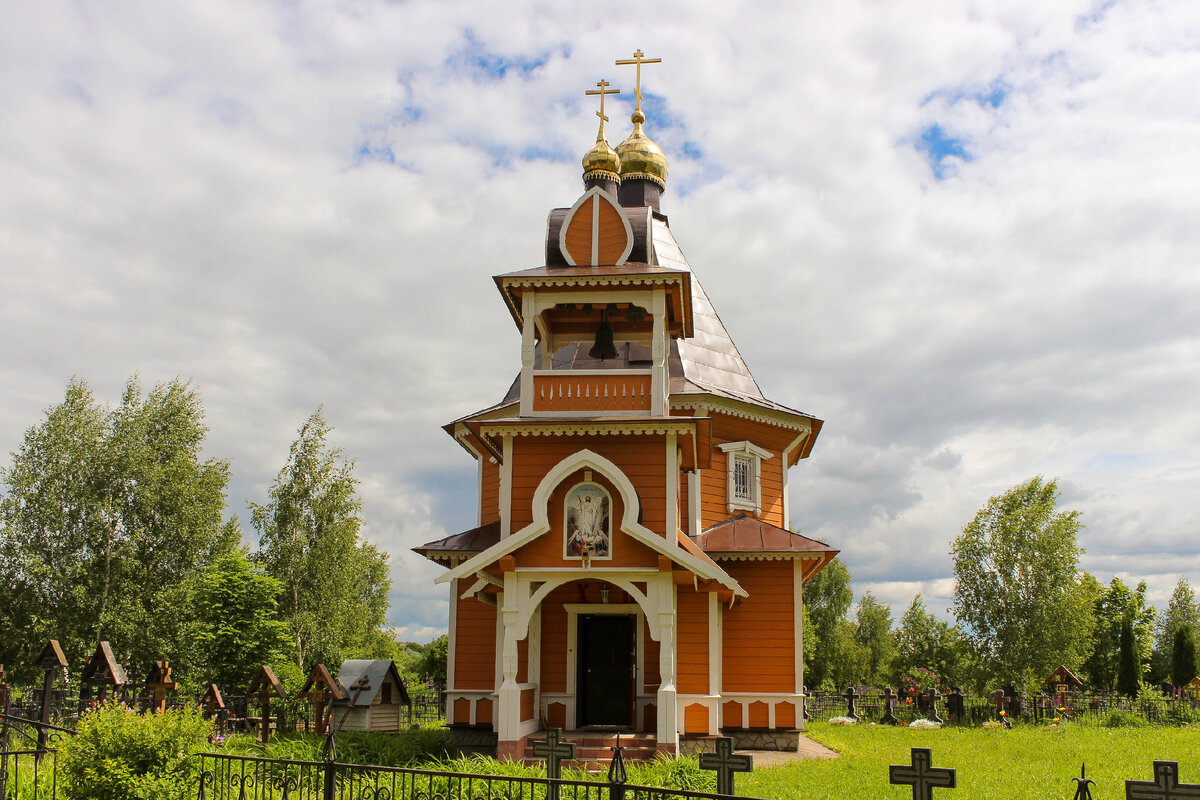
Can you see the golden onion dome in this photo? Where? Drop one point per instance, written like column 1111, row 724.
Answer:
column 640, row 157
column 602, row 162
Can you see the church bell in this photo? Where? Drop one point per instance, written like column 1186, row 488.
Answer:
column 604, row 348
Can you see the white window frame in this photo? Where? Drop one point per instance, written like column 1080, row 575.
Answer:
column 754, row 455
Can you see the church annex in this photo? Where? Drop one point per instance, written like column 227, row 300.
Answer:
column 632, row 567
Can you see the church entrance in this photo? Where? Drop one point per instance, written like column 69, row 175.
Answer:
column 605, row 671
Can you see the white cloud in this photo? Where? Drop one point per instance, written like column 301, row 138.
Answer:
column 299, row 205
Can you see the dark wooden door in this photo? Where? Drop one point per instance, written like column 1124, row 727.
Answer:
column 605, row 669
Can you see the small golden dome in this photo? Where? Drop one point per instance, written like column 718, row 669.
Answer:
column 602, row 162
column 640, row 157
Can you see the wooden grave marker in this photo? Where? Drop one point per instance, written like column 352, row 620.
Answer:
column 322, row 690
column 1165, row 786
column 262, row 688
column 921, row 775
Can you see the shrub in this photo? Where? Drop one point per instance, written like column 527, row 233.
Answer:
column 119, row 754
column 1180, row 714
column 1124, row 719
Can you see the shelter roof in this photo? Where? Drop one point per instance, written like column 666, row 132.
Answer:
column 320, row 680
column 103, row 664
column 266, row 683
column 1064, row 675
column 377, row 672
column 743, row 536
column 476, row 540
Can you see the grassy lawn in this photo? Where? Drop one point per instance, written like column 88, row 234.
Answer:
column 1026, row 762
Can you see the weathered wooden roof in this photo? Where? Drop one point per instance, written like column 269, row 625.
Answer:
column 1064, row 675
column 475, row 540
column 745, row 536
column 103, row 664
column 377, row 671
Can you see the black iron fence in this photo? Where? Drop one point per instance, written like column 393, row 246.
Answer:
column 226, row 777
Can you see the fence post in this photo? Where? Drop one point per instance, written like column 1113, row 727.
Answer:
column 328, row 788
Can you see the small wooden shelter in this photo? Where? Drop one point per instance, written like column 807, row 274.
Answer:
column 376, row 696
column 321, row 689
column 264, row 687
column 1192, row 687
column 103, row 672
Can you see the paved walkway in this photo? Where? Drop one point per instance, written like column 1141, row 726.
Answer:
column 772, row 758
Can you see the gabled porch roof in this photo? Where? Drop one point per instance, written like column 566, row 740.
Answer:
column 745, row 537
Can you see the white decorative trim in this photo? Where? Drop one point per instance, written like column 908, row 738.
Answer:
column 596, row 192
column 753, row 456
column 715, row 655
column 734, row 408
column 506, row 467
column 605, row 428
column 541, row 524
column 771, row 699
column 785, row 461
column 452, row 630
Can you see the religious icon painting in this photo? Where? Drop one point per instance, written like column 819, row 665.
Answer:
column 588, row 525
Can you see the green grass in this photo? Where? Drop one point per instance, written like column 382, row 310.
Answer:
column 1025, row 762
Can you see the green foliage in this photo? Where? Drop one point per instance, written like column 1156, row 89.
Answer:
column 235, row 630
column 335, row 586
column 873, row 633
column 1115, row 606
column 1183, row 656
column 683, row 774
column 925, row 642
column 827, row 598
column 103, row 512
column 1182, row 611
column 1017, row 593
column 119, row 754
column 432, row 667
column 1129, row 670
column 1117, row 718
column 1180, row 714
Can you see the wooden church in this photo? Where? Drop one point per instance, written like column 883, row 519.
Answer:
column 632, row 568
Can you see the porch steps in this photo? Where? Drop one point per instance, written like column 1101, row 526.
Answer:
column 593, row 751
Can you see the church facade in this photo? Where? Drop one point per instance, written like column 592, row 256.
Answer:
column 632, row 567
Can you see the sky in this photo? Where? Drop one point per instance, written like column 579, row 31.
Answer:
column 964, row 234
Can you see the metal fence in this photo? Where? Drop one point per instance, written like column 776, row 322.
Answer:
column 226, row 777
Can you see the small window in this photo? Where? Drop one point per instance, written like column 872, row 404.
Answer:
column 744, row 465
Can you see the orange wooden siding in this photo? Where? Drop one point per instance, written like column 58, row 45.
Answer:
column 578, row 238
column 695, row 719
column 612, row 236
column 651, row 678
column 759, row 651
column 731, row 714
column 574, row 391
column 714, row 488
column 685, row 514
column 475, row 645
column 483, row 711
column 692, row 627
column 554, row 639
column 489, row 492
column 462, row 711
column 785, row 715
column 527, row 698
column 523, row 660
column 641, row 458
column 759, row 715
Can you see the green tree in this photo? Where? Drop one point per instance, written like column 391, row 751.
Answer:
column 1017, row 593
column 827, row 597
column 1129, row 670
column 1183, row 657
column 434, row 660
column 236, row 629
column 1115, row 606
column 873, row 633
column 103, row 511
column 1181, row 611
column 334, row 586
column 925, row 642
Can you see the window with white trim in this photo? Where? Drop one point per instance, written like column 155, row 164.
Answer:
column 744, row 461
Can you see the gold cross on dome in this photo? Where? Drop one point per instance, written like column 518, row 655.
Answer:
column 638, row 59
column 603, row 90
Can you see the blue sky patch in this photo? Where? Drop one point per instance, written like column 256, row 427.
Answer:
column 482, row 64
column 937, row 146
column 992, row 96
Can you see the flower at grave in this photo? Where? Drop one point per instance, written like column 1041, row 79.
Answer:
column 1058, row 719
column 842, row 721
column 1004, row 713
column 924, row 724
column 992, row 725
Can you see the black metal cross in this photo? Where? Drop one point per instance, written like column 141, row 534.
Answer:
column 1083, row 784
column 725, row 763
column 1165, row 786
column 922, row 776
column 850, row 696
column 889, row 707
column 555, row 751
column 955, row 708
column 931, row 694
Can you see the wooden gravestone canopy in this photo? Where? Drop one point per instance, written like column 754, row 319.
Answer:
column 52, row 656
column 103, row 668
column 266, row 685
column 212, row 700
column 322, row 690
column 1193, row 686
column 1062, row 676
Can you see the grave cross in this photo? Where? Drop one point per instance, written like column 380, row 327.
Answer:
column 1082, row 784
column 555, row 751
column 889, row 707
column 921, row 775
column 1165, row 786
column 931, row 694
column 51, row 660
column 955, row 708
column 159, row 683
column 725, row 763
column 850, row 696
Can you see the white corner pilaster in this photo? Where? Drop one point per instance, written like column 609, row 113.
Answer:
column 714, row 662
column 668, row 711
column 658, row 351
column 784, row 461
column 506, row 467
column 452, row 644
column 672, row 499
column 508, row 711
column 528, row 316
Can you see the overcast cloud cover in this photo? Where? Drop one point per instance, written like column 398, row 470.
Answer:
column 965, row 234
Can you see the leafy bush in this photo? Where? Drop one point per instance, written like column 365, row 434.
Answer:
column 119, row 754
column 1180, row 714
column 683, row 774
column 1124, row 719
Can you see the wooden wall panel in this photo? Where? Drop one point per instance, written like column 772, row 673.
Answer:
column 523, row 660
column 651, row 678
column 692, row 630
column 483, row 711
column 695, row 719
column 462, row 713
column 759, row 715
column 759, row 651
column 578, row 239
column 785, row 715
column 612, row 236
column 475, row 645
column 554, row 640
column 731, row 714
column 489, row 495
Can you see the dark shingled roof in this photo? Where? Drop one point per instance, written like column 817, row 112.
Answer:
column 475, row 540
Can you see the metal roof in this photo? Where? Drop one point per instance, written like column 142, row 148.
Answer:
column 743, row 535
column 377, row 672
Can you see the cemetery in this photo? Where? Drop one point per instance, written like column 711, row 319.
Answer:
column 634, row 615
